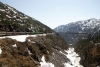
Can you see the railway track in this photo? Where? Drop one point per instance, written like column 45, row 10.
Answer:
column 14, row 33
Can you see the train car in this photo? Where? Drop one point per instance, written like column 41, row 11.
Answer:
column 18, row 33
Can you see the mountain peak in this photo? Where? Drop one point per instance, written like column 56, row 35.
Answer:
column 82, row 25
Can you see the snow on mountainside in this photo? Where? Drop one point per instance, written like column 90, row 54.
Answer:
column 75, row 31
column 15, row 21
column 80, row 26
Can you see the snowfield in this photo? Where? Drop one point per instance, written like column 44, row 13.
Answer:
column 73, row 57
column 45, row 64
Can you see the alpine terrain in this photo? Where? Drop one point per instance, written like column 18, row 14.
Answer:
column 75, row 31
column 26, row 42
column 84, row 36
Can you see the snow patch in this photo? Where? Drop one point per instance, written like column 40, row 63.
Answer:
column 0, row 50
column 30, row 41
column 73, row 57
column 45, row 64
column 14, row 45
column 19, row 20
column 8, row 16
column 14, row 16
column 29, row 51
column 12, row 9
column 2, row 10
column 22, row 38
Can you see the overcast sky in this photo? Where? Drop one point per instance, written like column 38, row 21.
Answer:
column 57, row 12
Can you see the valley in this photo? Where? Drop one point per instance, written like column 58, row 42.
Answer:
column 27, row 42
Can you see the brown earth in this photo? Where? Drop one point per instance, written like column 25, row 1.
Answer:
column 30, row 52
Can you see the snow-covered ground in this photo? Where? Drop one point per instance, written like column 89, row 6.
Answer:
column 22, row 38
column 74, row 58
column 45, row 64
column 70, row 53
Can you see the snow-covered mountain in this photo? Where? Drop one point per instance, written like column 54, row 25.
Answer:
column 84, row 28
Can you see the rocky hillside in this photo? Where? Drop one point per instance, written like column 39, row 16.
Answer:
column 15, row 21
column 75, row 31
column 34, row 51
column 89, row 51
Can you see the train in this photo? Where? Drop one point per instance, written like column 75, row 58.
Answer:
column 18, row 33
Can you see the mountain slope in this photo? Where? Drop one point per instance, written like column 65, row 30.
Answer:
column 80, row 26
column 79, row 30
column 15, row 21
column 15, row 52
column 89, row 51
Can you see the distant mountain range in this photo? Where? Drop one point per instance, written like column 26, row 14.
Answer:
column 84, row 29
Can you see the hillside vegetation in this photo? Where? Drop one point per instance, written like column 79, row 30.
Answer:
column 12, row 20
column 29, row 53
column 89, row 51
